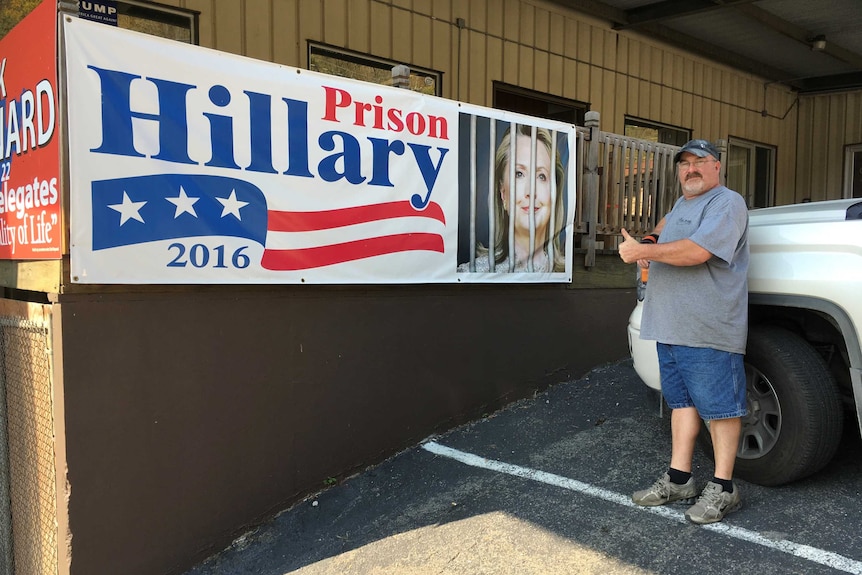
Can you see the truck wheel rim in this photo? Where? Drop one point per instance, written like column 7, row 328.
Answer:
column 761, row 428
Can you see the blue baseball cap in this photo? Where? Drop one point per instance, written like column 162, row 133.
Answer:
column 700, row 148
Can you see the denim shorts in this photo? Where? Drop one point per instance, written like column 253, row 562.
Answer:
column 710, row 380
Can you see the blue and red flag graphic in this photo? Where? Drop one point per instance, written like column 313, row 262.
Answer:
column 128, row 211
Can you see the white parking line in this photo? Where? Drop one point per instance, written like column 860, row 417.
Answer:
column 804, row 551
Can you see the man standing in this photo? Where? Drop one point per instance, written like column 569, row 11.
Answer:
column 696, row 308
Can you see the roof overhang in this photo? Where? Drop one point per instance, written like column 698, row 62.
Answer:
column 808, row 46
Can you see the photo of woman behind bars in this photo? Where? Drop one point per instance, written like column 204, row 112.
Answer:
column 527, row 206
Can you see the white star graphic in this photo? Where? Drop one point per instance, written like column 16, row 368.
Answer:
column 128, row 209
column 184, row 204
column 232, row 205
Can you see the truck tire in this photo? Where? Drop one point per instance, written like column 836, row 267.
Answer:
column 795, row 417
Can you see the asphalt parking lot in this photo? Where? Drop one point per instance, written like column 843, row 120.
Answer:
column 543, row 487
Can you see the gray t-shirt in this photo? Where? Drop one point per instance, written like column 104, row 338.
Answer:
column 704, row 305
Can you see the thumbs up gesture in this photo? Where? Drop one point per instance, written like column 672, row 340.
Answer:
column 630, row 249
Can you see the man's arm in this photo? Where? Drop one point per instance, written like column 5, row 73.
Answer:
column 652, row 238
column 678, row 253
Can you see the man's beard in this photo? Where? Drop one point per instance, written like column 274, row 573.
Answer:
column 694, row 185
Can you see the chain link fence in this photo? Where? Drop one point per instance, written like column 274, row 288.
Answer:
column 28, row 504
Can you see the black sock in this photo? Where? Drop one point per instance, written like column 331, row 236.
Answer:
column 726, row 484
column 678, row 477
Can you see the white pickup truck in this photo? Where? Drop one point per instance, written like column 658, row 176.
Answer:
column 804, row 356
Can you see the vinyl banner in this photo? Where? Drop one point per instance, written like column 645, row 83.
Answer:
column 194, row 166
column 30, row 226
column 104, row 11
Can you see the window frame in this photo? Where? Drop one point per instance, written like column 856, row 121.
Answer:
column 579, row 108
column 372, row 62
column 850, row 151
column 170, row 12
column 753, row 148
column 683, row 134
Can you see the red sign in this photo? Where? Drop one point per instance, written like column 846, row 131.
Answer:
column 30, row 224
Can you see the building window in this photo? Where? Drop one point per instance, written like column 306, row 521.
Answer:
column 138, row 15
column 853, row 171
column 538, row 104
column 347, row 64
column 750, row 170
column 158, row 20
column 655, row 132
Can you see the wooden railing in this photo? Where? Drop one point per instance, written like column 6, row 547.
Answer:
column 621, row 183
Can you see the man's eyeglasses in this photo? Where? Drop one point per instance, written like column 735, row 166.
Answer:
column 684, row 165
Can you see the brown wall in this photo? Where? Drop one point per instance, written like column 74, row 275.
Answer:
column 190, row 416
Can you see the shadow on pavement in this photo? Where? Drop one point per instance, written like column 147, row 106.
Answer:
column 420, row 513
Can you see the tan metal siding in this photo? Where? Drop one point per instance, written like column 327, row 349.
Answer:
column 494, row 57
column 475, row 67
column 285, row 41
column 543, row 46
column 556, row 61
column 827, row 123
column 336, row 13
column 359, row 33
column 259, row 23
column 853, row 133
column 229, row 26
column 421, row 42
column 443, row 40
